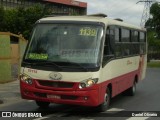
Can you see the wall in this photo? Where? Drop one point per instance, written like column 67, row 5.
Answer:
column 10, row 55
column 5, row 58
column 15, row 53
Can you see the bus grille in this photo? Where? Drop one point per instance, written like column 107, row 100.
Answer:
column 55, row 84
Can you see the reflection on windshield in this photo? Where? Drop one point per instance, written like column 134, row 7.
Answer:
column 65, row 42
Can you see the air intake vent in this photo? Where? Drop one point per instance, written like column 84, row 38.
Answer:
column 55, row 84
column 98, row 15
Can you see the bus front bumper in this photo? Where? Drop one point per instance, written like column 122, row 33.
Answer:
column 78, row 97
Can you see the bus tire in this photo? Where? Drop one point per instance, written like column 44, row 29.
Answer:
column 42, row 104
column 105, row 105
column 132, row 90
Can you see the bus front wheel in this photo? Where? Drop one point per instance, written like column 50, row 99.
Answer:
column 42, row 104
column 104, row 106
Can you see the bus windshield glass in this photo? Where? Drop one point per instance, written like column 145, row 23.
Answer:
column 66, row 43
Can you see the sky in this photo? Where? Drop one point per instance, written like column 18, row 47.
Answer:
column 127, row 10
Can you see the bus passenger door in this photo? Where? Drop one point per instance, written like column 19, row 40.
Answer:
column 108, row 57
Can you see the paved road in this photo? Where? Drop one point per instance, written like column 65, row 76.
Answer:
column 145, row 101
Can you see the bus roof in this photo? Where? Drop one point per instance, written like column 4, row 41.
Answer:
column 107, row 21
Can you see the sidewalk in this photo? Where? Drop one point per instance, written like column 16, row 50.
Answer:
column 9, row 93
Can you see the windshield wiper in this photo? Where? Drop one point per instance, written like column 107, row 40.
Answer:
column 77, row 64
column 45, row 63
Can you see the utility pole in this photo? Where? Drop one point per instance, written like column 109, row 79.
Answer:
column 146, row 11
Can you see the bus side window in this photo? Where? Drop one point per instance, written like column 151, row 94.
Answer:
column 106, row 44
column 109, row 42
column 109, row 45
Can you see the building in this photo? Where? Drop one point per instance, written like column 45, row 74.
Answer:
column 69, row 7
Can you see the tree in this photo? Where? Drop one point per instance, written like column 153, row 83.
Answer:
column 154, row 22
column 32, row 15
column 21, row 20
column 1, row 17
column 153, row 30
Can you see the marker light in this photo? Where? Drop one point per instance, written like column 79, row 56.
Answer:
column 26, row 79
column 88, row 83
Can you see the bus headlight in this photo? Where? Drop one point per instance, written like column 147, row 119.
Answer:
column 26, row 79
column 88, row 83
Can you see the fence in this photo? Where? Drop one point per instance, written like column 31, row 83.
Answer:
column 10, row 55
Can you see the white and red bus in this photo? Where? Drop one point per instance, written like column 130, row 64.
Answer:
column 82, row 60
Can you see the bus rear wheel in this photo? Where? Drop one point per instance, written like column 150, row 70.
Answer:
column 132, row 90
column 104, row 106
column 42, row 104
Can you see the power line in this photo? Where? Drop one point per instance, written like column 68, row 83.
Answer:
column 124, row 10
column 118, row 5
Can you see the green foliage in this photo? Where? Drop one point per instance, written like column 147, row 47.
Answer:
column 152, row 38
column 154, row 22
column 153, row 35
column 1, row 16
column 154, row 10
column 21, row 20
column 154, row 64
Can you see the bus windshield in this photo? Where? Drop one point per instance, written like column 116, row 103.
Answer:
column 66, row 43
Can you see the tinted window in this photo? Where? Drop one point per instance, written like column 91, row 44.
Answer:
column 135, row 48
column 118, row 51
column 65, row 42
column 117, row 35
column 142, row 37
column 134, row 36
column 109, row 41
column 128, row 42
column 126, row 49
column 142, row 48
column 125, row 35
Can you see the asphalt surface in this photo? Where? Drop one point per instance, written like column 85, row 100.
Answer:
column 146, row 101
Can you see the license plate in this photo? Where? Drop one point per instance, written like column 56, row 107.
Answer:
column 54, row 96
